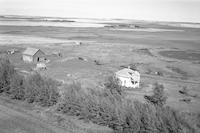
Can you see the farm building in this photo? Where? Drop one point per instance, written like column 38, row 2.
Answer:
column 128, row 78
column 33, row 55
column 12, row 51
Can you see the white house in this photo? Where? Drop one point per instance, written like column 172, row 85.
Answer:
column 33, row 55
column 128, row 78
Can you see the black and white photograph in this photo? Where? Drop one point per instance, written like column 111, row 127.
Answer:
column 99, row 66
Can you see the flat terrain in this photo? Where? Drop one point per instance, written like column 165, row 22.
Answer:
column 162, row 52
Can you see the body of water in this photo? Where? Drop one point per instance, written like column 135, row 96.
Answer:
column 56, row 24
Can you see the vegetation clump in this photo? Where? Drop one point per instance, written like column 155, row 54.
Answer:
column 107, row 106
column 32, row 88
column 158, row 98
column 6, row 73
column 41, row 90
column 110, row 109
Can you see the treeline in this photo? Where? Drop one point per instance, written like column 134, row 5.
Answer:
column 34, row 88
column 107, row 106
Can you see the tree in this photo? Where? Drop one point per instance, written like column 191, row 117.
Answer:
column 158, row 98
column 113, row 86
column 6, row 73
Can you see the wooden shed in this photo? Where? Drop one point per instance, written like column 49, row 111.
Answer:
column 33, row 55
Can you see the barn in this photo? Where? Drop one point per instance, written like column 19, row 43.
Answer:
column 33, row 55
column 128, row 78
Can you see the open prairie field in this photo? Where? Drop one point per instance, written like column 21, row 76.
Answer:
column 163, row 53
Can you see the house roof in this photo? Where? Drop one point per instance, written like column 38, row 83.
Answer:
column 128, row 73
column 31, row 51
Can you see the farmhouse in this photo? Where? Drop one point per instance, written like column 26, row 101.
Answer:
column 128, row 78
column 33, row 55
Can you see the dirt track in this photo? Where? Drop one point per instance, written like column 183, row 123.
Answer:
column 12, row 121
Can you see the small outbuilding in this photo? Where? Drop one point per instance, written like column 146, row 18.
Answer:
column 12, row 51
column 33, row 55
column 128, row 78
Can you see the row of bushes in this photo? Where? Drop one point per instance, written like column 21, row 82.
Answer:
column 33, row 88
column 107, row 106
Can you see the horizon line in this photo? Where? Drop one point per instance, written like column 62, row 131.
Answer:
column 147, row 20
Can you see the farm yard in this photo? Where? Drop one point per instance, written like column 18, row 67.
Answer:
column 168, row 57
column 89, row 55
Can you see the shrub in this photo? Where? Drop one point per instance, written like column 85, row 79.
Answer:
column 6, row 73
column 72, row 100
column 97, row 62
column 11, row 83
column 96, row 106
column 133, row 67
column 33, row 88
column 17, row 90
column 158, row 98
column 105, row 107
column 122, row 115
column 184, row 91
column 112, row 84
column 41, row 90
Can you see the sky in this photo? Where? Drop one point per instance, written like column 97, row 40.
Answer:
column 155, row 10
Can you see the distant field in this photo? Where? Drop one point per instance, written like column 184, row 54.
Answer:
column 188, row 38
column 9, row 39
column 184, row 55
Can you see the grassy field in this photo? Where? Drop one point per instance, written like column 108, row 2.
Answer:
column 171, row 51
